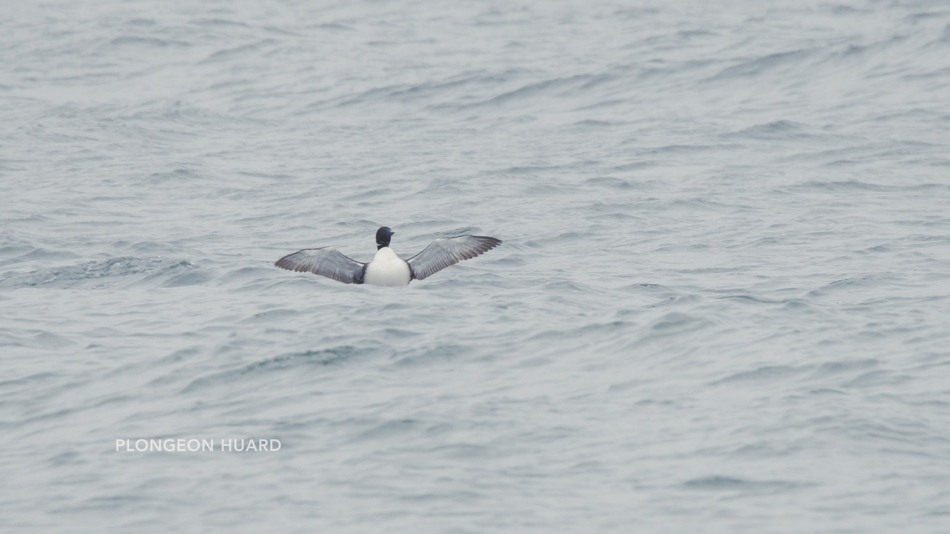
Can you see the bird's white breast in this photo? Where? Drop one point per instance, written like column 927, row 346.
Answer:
column 387, row 269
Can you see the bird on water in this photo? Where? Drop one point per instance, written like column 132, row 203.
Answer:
column 388, row 269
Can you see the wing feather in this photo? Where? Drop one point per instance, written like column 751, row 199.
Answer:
column 447, row 251
column 326, row 261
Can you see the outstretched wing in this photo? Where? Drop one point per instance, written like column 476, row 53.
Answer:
column 326, row 261
column 448, row 251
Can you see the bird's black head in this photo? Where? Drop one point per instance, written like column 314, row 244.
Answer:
column 382, row 237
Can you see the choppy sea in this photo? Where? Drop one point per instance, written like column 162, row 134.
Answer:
column 722, row 303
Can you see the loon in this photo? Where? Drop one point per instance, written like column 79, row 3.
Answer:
column 388, row 269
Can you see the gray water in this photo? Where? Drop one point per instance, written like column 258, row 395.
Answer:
column 722, row 303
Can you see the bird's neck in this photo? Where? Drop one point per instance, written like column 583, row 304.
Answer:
column 385, row 253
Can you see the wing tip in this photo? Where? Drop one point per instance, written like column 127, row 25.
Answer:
column 290, row 264
column 486, row 243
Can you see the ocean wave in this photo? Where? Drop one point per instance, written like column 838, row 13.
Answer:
column 99, row 274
